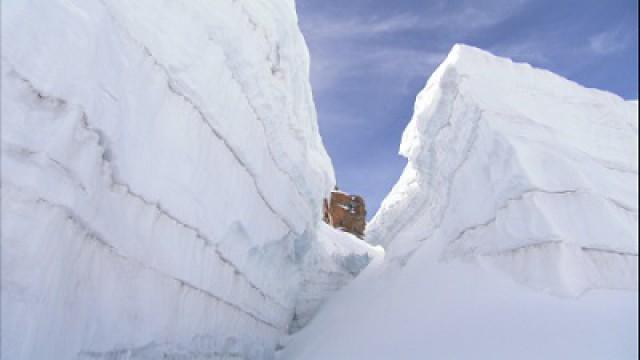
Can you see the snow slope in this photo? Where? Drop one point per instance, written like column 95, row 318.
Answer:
column 162, row 177
column 511, row 233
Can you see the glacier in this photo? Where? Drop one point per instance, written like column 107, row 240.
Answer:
column 162, row 183
column 162, row 180
column 511, row 233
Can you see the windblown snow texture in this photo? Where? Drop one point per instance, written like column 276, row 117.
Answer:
column 161, row 164
column 512, row 232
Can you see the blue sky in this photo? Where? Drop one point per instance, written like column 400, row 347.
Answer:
column 369, row 59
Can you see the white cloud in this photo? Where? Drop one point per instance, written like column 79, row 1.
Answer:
column 391, row 63
column 531, row 51
column 319, row 27
column 348, row 47
column 609, row 42
column 467, row 19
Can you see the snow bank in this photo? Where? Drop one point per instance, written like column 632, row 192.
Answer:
column 160, row 164
column 512, row 232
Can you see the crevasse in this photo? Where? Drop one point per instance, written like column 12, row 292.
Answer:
column 512, row 232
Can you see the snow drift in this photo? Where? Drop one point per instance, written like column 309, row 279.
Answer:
column 512, row 232
column 162, row 178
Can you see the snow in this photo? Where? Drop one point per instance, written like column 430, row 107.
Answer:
column 162, row 186
column 531, row 161
column 511, row 233
column 160, row 167
column 427, row 311
column 332, row 261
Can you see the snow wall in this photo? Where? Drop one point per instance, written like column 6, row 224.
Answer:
column 162, row 179
column 520, row 167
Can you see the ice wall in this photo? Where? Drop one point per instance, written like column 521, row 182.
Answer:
column 161, row 170
column 529, row 171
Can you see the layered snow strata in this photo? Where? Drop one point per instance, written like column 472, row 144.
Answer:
column 533, row 173
column 160, row 162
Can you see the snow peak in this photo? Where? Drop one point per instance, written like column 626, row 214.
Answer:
column 345, row 212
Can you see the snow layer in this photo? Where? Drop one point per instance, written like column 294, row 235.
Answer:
column 161, row 164
column 512, row 233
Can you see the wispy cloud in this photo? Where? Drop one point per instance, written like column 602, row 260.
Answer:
column 345, row 47
column 396, row 64
column 319, row 27
column 533, row 51
column 610, row 41
column 466, row 19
